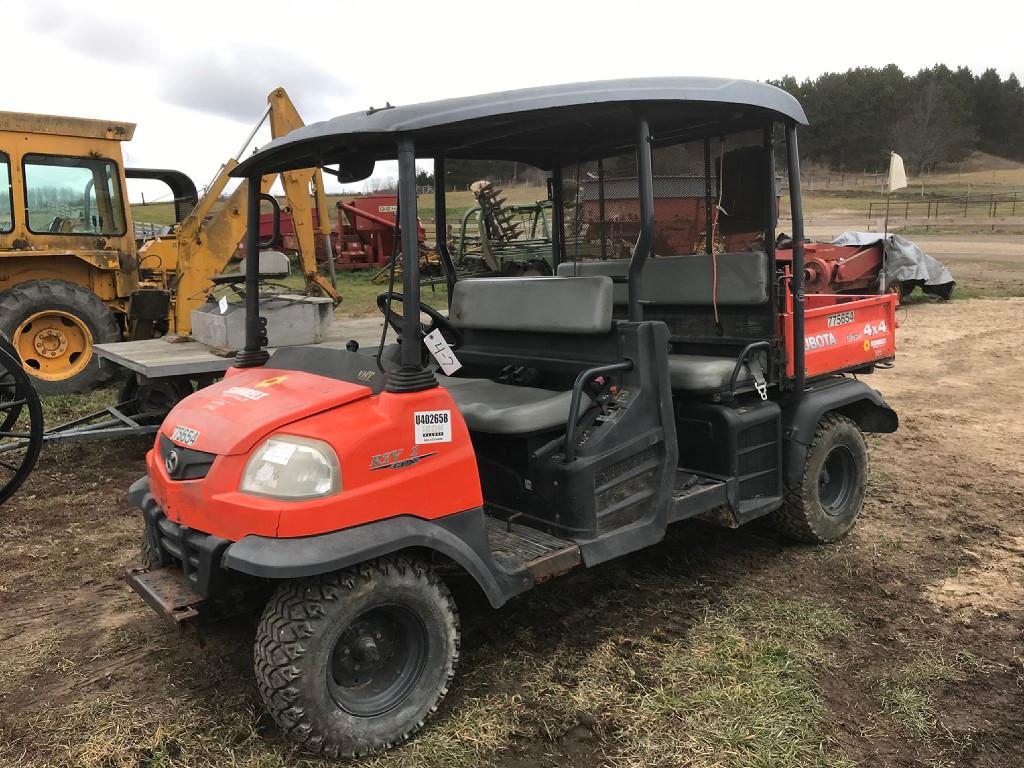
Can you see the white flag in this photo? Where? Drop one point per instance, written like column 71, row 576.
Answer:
column 897, row 175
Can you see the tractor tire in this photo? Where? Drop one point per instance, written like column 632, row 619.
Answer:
column 156, row 397
column 825, row 504
column 53, row 325
column 353, row 662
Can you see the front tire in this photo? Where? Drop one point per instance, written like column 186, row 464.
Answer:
column 53, row 325
column 353, row 662
column 825, row 504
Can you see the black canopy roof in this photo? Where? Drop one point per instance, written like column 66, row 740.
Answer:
column 543, row 126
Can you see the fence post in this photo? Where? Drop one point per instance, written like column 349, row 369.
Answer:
column 906, row 212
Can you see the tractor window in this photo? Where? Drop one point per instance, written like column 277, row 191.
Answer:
column 6, row 200
column 723, row 175
column 73, row 196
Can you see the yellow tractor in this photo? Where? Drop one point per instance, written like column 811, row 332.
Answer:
column 71, row 271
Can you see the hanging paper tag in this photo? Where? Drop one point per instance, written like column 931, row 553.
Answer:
column 442, row 352
column 223, row 304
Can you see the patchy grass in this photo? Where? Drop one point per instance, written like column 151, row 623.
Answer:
column 65, row 407
column 908, row 696
column 736, row 688
column 967, row 291
column 739, row 689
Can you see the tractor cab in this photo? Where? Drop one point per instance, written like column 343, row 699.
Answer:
column 670, row 368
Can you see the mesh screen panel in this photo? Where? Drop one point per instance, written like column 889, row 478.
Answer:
column 723, row 176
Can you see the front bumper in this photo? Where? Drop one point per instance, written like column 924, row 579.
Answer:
column 197, row 554
column 188, row 582
column 166, row 592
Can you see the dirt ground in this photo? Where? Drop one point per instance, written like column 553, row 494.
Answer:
column 899, row 646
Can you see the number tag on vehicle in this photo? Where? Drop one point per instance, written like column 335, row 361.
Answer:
column 442, row 352
column 433, row 427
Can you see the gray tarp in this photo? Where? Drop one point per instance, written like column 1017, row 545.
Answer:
column 904, row 263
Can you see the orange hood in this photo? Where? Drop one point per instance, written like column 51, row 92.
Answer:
column 230, row 416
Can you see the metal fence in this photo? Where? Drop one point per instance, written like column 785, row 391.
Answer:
column 144, row 229
column 976, row 206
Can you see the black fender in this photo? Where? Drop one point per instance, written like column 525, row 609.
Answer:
column 462, row 537
column 850, row 397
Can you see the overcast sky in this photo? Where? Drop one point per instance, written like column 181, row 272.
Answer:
column 194, row 75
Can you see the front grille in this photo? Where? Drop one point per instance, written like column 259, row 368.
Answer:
column 184, row 463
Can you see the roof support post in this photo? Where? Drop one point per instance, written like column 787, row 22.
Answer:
column 411, row 376
column 557, row 217
column 770, row 214
column 254, row 353
column 441, row 226
column 642, row 250
column 797, row 283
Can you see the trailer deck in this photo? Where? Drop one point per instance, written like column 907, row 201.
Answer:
column 163, row 358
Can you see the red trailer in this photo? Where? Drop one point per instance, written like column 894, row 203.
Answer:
column 363, row 237
column 365, row 234
column 679, row 210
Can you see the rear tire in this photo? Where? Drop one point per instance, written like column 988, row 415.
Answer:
column 825, row 504
column 353, row 662
column 54, row 324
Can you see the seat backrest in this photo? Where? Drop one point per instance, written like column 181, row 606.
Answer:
column 687, row 280
column 533, row 304
column 690, row 280
column 273, row 265
column 613, row 268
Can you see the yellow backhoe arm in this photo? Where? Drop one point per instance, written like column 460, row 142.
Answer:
column 284, row 119
column 200, row 248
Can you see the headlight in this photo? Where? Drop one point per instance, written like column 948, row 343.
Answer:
column 292, row 468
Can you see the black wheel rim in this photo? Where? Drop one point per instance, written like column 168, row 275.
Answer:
column 21, row 424
column 837, row 480
column 377, row 660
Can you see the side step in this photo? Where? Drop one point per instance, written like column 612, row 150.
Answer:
column 167, row 593
column 694, row 494
column 543, row 555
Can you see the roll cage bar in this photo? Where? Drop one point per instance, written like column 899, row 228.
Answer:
column 493, row 128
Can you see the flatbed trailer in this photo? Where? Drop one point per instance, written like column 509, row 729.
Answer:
column 165, row 370
column 169, row 358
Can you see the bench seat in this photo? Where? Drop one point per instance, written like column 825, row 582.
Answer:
column 507, row 409
column 705, row 374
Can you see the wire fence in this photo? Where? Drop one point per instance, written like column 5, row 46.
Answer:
column 968, row 206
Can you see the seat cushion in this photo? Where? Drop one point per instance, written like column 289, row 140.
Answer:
column 505, row 409
column 704, row 373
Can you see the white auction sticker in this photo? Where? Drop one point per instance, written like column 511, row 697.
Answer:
column 223, row 304
column 442, row 352
column 433, row 427
column 278, row 452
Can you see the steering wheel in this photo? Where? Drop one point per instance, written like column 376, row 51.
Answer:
column 437, row 321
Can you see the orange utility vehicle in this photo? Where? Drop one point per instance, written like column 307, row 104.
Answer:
column 574, row 418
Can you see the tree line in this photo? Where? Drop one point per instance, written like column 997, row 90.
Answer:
column 937, row 116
